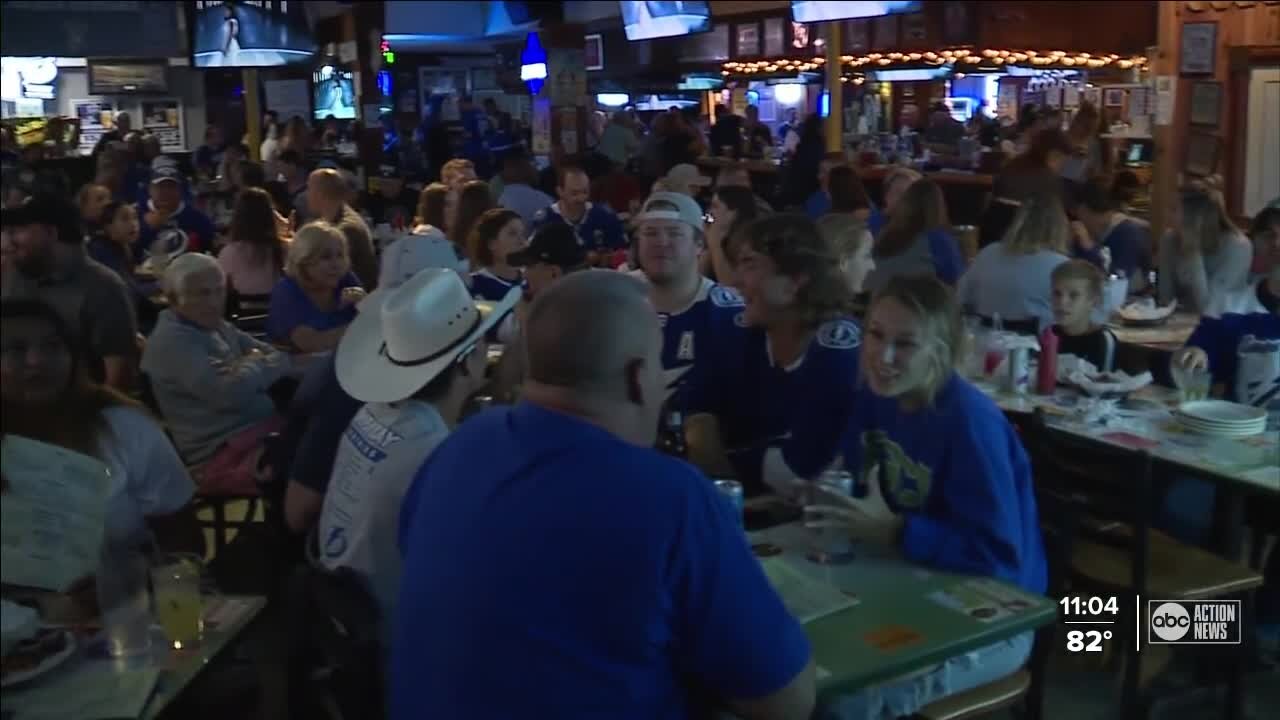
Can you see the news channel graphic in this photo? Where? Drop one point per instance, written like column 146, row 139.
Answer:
column 1092, row 621
column 1194, row 622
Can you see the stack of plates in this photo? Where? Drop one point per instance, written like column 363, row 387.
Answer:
column 1221, row 419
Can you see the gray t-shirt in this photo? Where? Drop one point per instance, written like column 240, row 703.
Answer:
column 1017, row 287
column 378, row 457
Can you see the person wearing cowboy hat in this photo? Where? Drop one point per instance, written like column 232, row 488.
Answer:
column 413, row 355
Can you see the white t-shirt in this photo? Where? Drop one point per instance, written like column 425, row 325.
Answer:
column 147, row 477
column 1016, row 287
column 378, row 457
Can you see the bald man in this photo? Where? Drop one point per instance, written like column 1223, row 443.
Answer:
column 555, row 565
column 327, row 200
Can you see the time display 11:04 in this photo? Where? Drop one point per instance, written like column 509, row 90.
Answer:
column 1075, row 605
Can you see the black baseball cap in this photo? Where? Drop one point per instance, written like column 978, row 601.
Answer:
column 51, row 210
column 555, row 244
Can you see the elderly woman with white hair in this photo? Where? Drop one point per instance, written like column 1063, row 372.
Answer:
column 211, row 380
column 314, row 302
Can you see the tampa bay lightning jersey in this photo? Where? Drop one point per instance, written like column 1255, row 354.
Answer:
column 486, row 285
column 802, row 409
column 700, row 333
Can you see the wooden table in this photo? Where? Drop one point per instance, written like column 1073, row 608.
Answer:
column 898, row 627
column 90, row 679
column 1166, row 337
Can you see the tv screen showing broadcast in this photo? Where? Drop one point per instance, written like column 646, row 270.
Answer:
column 820, row 10
column 249, row 34
column 647, row 19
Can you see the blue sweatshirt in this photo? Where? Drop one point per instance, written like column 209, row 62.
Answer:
column 195, row 225
column 599, row 228
column 1244, row 355
column 959, row 475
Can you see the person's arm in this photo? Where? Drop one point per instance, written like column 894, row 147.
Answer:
column 285, row 323
column 302, row 507
column 976, row 528
column 761, row 675
column 182, row 360
column 314, row 458
column 1219, row 338
column 157, row 481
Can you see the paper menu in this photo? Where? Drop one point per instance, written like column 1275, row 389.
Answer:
column 806, row 598
column 52, row 515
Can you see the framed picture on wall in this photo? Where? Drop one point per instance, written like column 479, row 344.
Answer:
column 856, row 34
column 1198, row 47
column 1206, row 101
column 774, row 37
column 1113, row 97
column 748, row 39
column 593, row 54
column 1202, row 154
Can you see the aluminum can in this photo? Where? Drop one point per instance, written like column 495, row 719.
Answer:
column 1019, row 371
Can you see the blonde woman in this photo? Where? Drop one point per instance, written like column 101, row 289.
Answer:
column 948, row 483
column 315, row 300
column 851, row 241
column 1012, row 278
column 1205, row 255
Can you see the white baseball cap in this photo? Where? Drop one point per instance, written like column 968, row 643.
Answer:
column 671, row 206
column 412, row 254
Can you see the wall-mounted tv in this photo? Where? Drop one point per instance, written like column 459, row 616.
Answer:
column 115, row 78
column 333, row 93
column 807, row 11
column 646, row 19
column 241, row 34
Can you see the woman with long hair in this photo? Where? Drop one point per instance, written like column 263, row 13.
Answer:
column 497, row 233
column 432, row 202
column 473, row 200
column 46, row 395
column 947, row 481
column 848, row 194
column 314, row 302
column 1092, row 152
column 116, row 237
column 852, row 242
column 732, row 208
column 1205, row 255
column 796, row 351
column 1035, row 172
column 254, row 257
column 1013, row 278
column 917, row 239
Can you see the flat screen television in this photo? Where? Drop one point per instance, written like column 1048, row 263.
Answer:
column 115, row 78
column 236, row 34
column 807, row 11
column 647, row 19
column 333, row 93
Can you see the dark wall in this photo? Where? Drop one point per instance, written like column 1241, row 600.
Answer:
column 102, row 28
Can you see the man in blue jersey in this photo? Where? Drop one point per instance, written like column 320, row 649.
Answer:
column 555, row 566
column 597, row 228
column 669, row 236
column 775, row 405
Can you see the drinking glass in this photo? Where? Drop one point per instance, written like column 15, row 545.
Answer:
column 1192, row 384
column 179, row 607
column 125, row 603
column 829, row 546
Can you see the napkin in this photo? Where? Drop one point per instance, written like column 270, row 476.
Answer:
column 1076, row 371
column 1146, row 309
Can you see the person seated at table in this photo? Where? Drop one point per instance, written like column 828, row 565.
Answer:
column 393, row 204
column 327, row 199
column 1011, row 278
column 1077, row 294
column 432, row 203
column 46, row 395
column 732, row 208
column 168, row 221
column 253, row 259
column 798, row 357
column 818, row 203
column 947, row 482
column 1033, row 172
column 480, row 632
column 211, row 380
column 597, row 228
column 852, row 242
column 848, row 195
column 112, row 245
column 497, row 234
column 410, row 407
column 518, row 191
column 49, row 262
column 1205, row 254
column 312, row 304
column 92, row 200
column 917, row 239
column 893, row 187
column 1264, row 231
column 474, row 200
column 1099, row 223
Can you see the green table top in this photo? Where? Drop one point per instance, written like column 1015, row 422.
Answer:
column 901, row 625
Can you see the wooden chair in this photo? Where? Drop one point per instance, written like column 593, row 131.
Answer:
column 1095, row 505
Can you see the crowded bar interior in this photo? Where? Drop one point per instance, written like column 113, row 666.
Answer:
column 723, row 360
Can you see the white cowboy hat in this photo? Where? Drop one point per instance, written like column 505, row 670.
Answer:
column 406, row 337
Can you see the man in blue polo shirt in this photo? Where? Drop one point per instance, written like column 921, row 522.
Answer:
column 577, row 573
column 597, row 228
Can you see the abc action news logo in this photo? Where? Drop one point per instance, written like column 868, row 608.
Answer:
column 1194, row 622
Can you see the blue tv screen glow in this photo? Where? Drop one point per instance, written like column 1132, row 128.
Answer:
column 807, row 11
column 646, row 19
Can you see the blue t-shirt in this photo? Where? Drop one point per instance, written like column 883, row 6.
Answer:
column 573, row 575
column 948, row 263
column 817, row 204
column 1244, row 355
column 291, row 308
column 961, row 477
column 703, row 332
column 189, row 226
column 486, row 285
column 801, row 410
column 600, row 229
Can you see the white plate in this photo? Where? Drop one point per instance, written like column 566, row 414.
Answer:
column 1220, row 432
column 1261, row 422
column 49, row 663
column 1220, row 411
